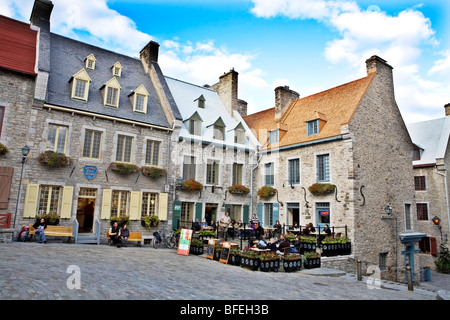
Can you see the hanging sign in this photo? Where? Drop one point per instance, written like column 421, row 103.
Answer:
column 90, row 172
column 210, row 249
column 185, row 242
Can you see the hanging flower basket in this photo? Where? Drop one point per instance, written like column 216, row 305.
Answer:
column 191, row 185
column 322, row 188
column 51, row 159
column 238, row 189
column 3, row 150
column 266, row 191
column 123, row 168
column 153, row 172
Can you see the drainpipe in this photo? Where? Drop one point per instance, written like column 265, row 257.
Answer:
column 446, row 194
column 251, row 181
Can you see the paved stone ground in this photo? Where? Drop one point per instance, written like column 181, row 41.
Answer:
column 32, row 271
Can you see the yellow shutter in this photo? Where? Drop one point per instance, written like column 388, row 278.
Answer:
column 66, row 206
column 31, row 199
column 106, row 204
column 163, row 206
column 135, row 205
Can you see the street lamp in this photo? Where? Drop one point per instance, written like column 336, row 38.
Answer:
column 388, row 210
column 436, row 220
column 25, row 152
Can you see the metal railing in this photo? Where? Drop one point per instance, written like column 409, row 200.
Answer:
column 98, row 230
column 75, row 230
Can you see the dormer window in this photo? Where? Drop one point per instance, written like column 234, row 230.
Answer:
column 80, row 85
column 274, row 136
column 201, row 102
column 117, row 69
column 139, row 98
column 111, row 93
column 239, row 134
column 195, row 124
column 313, row 127
column 315, row 123
column 219, row 129
column 90, row 62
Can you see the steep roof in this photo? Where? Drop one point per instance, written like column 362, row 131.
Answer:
column 67, row 57
column 334, row 107
column 17, row 46
column 432, row 137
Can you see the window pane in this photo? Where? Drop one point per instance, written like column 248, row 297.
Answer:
column 268, row 171
column 51, row 138
column 149, row 202
column 422, row 211
column 294, row 171
column 49, row 199
column 323, row 168
column 61, row 144
column 80, row 89
column 323, row 212
column 124, row 145
column 119, row 203
column 237, row 173
column 212, row 174
column 140, row 99
column 111, row 96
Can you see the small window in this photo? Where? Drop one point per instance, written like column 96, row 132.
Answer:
column 117, row 69
column 139, row 98
column 49, row 199
column 92, row 140
column 90, row 62
column 419, row 182
column 152, row 152
column 201, row 102
column 219, row 132
column 194, row 124
column 111, row 93
column 312, row 127
column 80, row 85
column 119, row 203
column 422, row 211
column 237, row 173
column 189, row 168
column 239, row 136
column 383, row 260
column 294, row 171
column 212, row 173
column 323, row 168
column 269, row 178
column 57, row 138
column 124, row 146
column 149, row 204
column 274, row 136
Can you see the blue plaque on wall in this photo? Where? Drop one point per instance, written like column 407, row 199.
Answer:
column 90, row 172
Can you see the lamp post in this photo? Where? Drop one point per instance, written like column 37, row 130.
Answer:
column 388, row 210
column 437, row 221
column 25, row 152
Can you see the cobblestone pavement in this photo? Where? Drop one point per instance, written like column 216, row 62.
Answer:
column 32, row 271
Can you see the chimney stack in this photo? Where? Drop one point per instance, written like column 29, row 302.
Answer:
column 42, row 10
column 227, row 89
column 283, row 98
column 150, row 53
column 447, row 109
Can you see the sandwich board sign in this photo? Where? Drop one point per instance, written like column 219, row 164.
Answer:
column 210, row 249
column 225, row 254
column 185, row 242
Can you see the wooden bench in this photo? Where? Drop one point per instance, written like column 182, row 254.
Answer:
column 134, row 236
column 55, row 231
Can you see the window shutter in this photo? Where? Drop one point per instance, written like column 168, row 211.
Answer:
column 163, row 206
column 260, row 212
column 198, row 211
column 135, row 205
column 6, row 174
column 246, row 218
column 31, row 199
column 106, row 204
column 433, row 246
column 276, row 213
column 66, row 206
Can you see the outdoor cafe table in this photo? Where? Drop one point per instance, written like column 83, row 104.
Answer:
column 259, row 250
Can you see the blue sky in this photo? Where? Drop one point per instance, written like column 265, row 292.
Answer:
column 309, row 45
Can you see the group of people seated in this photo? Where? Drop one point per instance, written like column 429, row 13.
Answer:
column 119, row 235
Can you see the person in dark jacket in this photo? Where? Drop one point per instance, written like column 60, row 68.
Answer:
column 114, row 233
column 124, row 235
column 39, row 229
column 284, row 243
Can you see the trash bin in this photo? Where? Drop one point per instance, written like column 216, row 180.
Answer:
column 425, row 274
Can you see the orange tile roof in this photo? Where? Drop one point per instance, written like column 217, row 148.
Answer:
column 334, row 107
column 17, row 46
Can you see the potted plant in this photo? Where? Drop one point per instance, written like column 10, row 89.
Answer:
column 250, row 259
column 196, row 247
column 443, row 262
column 311, row 260
column 292, row 262
column 191, row 185
column 51, row 159
column 153, row 172
column 307, row 243
column 235, row 257
column 238, row 189
column 321, row 188
column 329, row 247
column 3, row 149
column 121, row 220
column 266, row 191
column 51, row 219
column 269, row 261
column 150, row 221
column 123, row 168
column 345, row 246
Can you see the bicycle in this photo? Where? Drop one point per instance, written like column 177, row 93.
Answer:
column 168, row 241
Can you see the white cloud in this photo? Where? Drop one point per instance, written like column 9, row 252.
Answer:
column 441, row 65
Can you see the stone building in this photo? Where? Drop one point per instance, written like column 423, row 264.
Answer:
column 17, row 81
column 352, row 139
column 215, row 149
column 431, row 161
column 100, row 132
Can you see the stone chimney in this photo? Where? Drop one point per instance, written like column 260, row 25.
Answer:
column 150, row 53
column 447, row 109
column 384, row 75
column 227, row 89
column 283, row 98
column 42, row 10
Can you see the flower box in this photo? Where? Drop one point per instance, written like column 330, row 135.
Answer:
column 235, row 257
column 311, row 263
column 196, row 247
column 123, row 168
column 52, row 159
column 292, row 263
column 3, row 149
column 238, row 189
column 153, row 172
column 270, row 265
column 266, row 191
column 322, row 188
column 251, row 263
column 191, row 185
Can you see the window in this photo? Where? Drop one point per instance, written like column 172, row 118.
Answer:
column 111, row 96
column 49, row 199
column 239, row 136
column 195, row 127
column 139, row 98
column 269, row 174
column 219, row 132
column 57, row 138
column 187, row 209
column 237, row 173
column 111, row 93
column 189, row 168
column 212, row 173
column 124, row 145
column 274, row 136
column 149, row 204
column 152, row 152
column 91, row 148
column 323, row 168
column 117, row 69
column 323, row 212
column 407, row 216
column 419, row 182
column 268, row 214
column 294, row 171
column 119, row 203
column 90, row 62
column 80, row 85
column 2, row 113
column 201, row 102
column 422, row 211
column 312, row 127
column 428, row 245
column 382, row 260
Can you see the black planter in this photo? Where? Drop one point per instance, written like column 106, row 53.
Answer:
column 292, row 265
column 311, row 263
column 196, row 250
column 307, row 247
column 250, row 263
column 235, row 260
column 329, row 250
column 269, row 265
